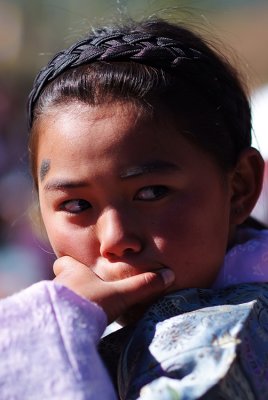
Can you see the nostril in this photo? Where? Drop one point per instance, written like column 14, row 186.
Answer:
column 117, row 253
column 109, row 256
column 129, row 250
column 113, row 251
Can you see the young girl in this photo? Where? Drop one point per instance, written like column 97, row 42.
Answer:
column 141, row 156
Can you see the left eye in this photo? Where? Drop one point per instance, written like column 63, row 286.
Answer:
column 150, row 193
column 75, row 206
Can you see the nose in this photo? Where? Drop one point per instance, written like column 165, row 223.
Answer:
column 118, row 235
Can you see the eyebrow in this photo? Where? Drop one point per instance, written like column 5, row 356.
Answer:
column 131, row 172
column 149, row 168
column 45, row 167
column 62, row 184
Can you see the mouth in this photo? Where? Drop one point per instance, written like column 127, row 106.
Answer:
column 117, row 271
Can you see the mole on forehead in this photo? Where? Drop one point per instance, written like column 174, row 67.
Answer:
column 45, row 167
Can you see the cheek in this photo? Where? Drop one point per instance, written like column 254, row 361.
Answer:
column 175, row 224
column 67, row 239
column 192, row 241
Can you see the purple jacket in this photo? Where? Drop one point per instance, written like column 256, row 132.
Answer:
column 42, row 356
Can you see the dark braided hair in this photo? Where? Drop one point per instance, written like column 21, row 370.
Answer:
column 154, row 63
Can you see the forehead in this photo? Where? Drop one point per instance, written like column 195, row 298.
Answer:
column 110, row 137
column 77, row 120
column 77, row 125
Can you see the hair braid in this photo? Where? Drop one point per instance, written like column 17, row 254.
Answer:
column 155, row 51
column 159, row 64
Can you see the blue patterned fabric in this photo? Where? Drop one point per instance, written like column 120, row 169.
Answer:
column 199, row 344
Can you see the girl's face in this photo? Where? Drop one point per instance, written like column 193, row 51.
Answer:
column 124, row 194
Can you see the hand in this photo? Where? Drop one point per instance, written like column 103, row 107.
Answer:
column 114, row 297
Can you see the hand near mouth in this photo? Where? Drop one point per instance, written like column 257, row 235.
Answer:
column 115, row 297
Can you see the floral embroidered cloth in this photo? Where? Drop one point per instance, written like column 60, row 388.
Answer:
column 192, row 344
column 196, row 344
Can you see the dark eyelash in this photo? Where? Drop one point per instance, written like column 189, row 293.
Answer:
column 85, row 205
column 160, row 188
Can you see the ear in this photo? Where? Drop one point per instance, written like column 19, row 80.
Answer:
column 246, row 181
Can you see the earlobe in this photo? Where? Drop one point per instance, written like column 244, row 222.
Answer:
column 246, row 183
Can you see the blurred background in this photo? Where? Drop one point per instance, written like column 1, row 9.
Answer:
column 31, row 31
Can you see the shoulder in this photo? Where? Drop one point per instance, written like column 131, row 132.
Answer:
column 247, row 260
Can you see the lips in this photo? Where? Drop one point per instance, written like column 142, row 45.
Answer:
column 109, row 272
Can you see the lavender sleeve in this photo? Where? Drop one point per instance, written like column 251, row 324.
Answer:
column 48, row 339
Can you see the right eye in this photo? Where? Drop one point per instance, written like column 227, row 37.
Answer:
column 75, row 206
column 152, row 193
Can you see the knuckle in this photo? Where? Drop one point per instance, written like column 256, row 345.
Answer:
column 61, row 264
column 57, row 267
column 149, row 278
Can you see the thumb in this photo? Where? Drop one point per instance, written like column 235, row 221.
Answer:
column 115, row 297
column 144, row 287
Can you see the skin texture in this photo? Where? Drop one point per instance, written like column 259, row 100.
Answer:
column 125, row 194
column 124, row 300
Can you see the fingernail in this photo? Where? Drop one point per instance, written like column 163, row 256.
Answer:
column 167, row 275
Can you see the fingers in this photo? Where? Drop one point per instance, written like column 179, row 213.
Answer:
column 136, row 293
column 66, row 263
column 144, row 287
column 115, row 297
